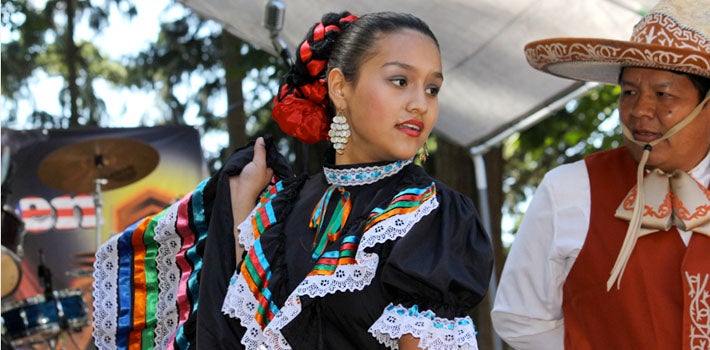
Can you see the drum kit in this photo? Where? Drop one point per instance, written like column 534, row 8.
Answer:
column 83, row 167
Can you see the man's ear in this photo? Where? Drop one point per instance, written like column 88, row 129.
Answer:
column 336, row 86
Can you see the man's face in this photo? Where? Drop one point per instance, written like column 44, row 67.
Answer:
column 651, row 102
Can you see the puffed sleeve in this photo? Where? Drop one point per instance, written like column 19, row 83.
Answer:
column 214, row 329
column 436, row 274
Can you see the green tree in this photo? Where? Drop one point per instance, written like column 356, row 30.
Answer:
column 567, row 135
column 43, row 40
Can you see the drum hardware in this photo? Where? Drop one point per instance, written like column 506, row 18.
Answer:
column 86, row 255
column 45, row 277
column 80, row 272
column 96, row 165
column 84, row 266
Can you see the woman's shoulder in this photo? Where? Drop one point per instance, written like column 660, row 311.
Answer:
column 447, row 196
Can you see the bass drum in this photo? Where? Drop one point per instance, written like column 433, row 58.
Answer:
column 13, row 233
column 11, row 272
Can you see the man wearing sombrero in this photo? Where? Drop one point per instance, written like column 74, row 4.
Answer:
column 614, row 250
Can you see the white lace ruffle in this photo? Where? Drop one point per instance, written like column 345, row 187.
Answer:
column 104, row 294
column 241, row 304
column 246, row 233
column 169, row 243
column 434, row 333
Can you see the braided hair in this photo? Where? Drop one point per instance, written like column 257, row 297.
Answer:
column 340, row 40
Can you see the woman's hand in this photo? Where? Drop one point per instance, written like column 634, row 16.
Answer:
column 408, row 342
column 255, row 176
column 246, row 188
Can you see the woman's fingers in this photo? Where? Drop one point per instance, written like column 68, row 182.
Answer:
column 259, row 152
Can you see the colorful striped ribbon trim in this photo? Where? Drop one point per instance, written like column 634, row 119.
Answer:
column 404, row 202
column 256, row 270
column 264, row 213
column 191, row 226
column 137, row 286
column 329, row 261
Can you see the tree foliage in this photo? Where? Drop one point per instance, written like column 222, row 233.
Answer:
column 584, row 126
column 194, row 64
column 43, row 43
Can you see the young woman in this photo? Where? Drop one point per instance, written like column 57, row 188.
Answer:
column 370, row 253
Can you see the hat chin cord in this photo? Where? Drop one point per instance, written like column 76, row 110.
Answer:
column 635, row 223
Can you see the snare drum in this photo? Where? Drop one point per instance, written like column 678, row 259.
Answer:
column 36, row 319
column 73, row 309
column 31, row 320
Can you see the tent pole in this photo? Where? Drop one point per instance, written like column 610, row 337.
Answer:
column 532, row 118
column 479, row 166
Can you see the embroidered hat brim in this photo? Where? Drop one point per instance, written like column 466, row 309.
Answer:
column 600, row 60
column 674, row 35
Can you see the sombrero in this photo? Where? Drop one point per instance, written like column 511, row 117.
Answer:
column 674, row 35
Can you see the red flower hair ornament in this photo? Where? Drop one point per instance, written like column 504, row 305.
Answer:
column 300, row 112
column 300, row 107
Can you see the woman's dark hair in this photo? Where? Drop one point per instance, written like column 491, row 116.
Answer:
column 302, row 107
column 356, row 43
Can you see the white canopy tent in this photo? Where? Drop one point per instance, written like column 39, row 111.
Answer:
column 489, row 90
column 488, row 86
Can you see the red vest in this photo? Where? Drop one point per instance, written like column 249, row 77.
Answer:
column 664, row 299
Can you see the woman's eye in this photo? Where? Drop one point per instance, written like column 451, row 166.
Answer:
column 434, row 90
column 401, row 82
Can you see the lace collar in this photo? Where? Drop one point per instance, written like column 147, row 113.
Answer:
column 362, row 175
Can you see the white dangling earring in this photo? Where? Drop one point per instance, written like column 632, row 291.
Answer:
column 339, row 132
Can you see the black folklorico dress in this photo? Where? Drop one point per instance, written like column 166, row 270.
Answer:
column 350, row 258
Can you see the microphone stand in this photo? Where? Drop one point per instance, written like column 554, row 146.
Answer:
column 274, row 21
column 281, row 48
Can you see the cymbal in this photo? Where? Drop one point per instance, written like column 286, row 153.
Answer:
column 76, row 167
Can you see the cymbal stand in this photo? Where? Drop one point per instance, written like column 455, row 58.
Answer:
column 53, row 342
column 98, row 204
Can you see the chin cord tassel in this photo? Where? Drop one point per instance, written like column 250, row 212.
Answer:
column 632, row 233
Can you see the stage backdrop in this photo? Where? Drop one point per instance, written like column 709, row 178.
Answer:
column 62, row 223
